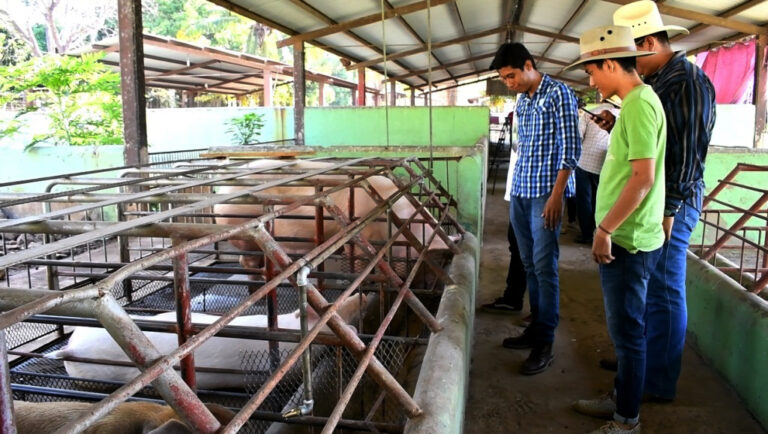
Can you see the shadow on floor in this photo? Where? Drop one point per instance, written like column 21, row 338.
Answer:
column 503, row 401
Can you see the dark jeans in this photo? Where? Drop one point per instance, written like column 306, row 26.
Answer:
column 667, row 315
column 625, row 287
column 539, row 251
column 586, row 195
column 515, row 290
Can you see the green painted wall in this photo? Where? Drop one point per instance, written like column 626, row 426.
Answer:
column 729, row 327
column 395, row 126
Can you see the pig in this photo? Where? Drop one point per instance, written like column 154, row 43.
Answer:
column 305, row 228
column 126, row 418
column 216, row 352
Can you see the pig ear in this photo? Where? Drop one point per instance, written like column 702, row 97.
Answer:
column 312, row 316
column 173, row 426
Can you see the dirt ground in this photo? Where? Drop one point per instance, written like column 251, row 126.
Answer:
column 503, row 401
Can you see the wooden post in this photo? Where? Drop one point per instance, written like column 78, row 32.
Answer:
column 132, row 82
column 299, row 90
column 267, row 100
column 361, row 87
column 392, row 94
column 413, row 97
column 321, row 93
column 761, row 86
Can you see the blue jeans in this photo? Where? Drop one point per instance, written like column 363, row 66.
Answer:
column 667, row 316
column 625, row 285
column 539, row 252
column 586, row 194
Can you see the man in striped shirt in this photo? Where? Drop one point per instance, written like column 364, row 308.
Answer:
column 688, row 98
column 549, row 146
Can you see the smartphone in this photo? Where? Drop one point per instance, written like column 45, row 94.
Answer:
column 592, row 114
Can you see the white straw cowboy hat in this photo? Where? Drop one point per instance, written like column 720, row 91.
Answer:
column 607, row 42
column 644, row 19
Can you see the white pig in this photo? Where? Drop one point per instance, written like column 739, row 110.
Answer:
column 363, row 204
column 216, row 352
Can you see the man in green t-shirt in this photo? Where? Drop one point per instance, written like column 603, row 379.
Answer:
column 629, row 214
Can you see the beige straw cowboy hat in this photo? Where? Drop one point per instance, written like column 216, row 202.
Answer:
column 644, row 19
column 607, row 42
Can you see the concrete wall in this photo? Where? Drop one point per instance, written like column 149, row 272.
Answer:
column 734, row 126
column 44, row 160
column 729, row 327
column 189, row 128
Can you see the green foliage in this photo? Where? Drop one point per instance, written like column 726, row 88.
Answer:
column 79, row 95
column 12, row 50
column 246, row 128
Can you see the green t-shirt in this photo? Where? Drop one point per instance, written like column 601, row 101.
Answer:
column 640, row 132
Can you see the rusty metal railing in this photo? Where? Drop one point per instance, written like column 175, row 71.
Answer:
column 734, row 230
column 96, row 296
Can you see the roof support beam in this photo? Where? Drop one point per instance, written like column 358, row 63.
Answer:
column 439, row 68
column 727, row 14
column 761, row 85
column 299, row 90
column 463, row 39
column 132, row 82
column 362, row 21
column 703, row 18
column 181, row 70
column 321, row 16
column 423, row 48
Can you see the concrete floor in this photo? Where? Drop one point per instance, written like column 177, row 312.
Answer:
column 503, row 401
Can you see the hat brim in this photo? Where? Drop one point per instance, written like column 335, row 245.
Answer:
column 616, row 55
column 670, row 29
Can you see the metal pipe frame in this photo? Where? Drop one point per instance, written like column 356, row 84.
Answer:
column 57, row 246
column 341, row 405
column 138, row 348
column 739, row 229
column 158, row 369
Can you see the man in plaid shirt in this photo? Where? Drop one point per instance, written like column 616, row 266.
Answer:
column 549, row 147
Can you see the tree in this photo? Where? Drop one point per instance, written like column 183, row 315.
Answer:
column 65, row 24
column 12, row 49
column 79, row 95
column 245, row 129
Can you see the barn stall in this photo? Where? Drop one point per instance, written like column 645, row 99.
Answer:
column 119, row 245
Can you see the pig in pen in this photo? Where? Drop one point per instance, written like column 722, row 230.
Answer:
column 171, row 255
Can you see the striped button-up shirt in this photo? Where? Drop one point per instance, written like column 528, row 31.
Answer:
column 688, row 98
column 594, row 140
column 548, row 138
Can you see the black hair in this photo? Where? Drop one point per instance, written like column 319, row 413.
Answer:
column 662, row 37
column 628, row 64
column 512, row 54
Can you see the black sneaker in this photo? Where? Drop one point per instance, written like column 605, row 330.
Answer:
column 501, row 305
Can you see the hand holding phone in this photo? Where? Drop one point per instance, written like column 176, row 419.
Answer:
column 596, row 116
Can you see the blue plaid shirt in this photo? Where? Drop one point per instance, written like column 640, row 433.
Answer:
column 549, row 140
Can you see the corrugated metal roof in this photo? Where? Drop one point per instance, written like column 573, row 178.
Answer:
column 464, row 34
column 171, row 63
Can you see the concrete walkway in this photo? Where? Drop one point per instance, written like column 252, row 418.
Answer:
column 503, row 401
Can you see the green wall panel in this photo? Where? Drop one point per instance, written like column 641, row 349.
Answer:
column 395, row 126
